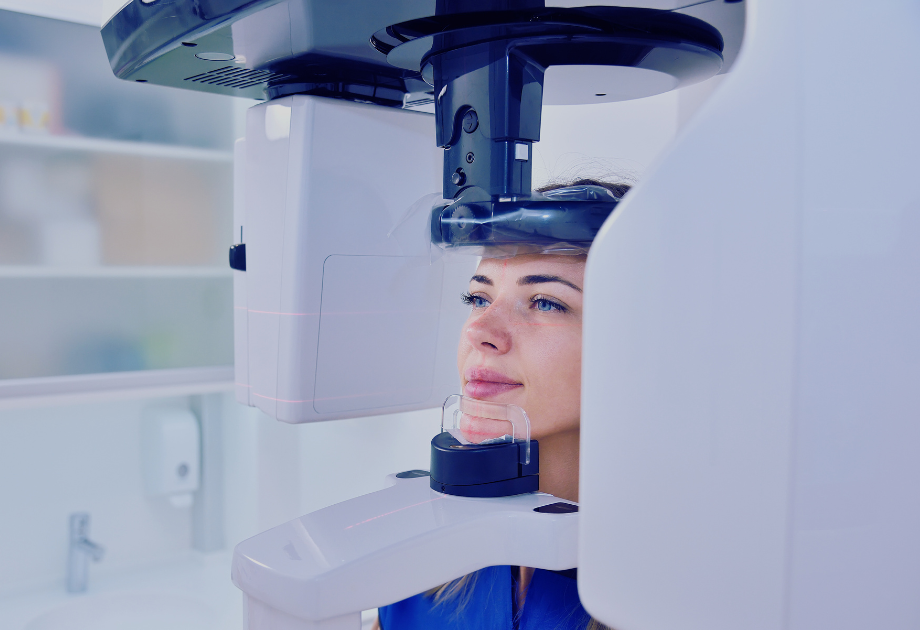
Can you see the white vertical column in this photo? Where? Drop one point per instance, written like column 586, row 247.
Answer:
column 689, row 362
column 750, row 370
column 208, row 508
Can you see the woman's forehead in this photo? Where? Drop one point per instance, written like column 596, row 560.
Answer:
column 569, row 267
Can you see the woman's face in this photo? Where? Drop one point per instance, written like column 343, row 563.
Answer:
column 522, row 341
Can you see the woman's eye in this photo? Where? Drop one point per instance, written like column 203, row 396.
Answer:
column 546, row 305
column 476, row 301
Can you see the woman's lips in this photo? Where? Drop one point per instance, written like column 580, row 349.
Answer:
column 484, row 383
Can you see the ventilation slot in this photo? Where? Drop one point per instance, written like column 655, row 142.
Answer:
column 232, row 77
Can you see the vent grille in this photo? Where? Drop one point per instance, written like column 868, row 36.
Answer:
column 230, row 76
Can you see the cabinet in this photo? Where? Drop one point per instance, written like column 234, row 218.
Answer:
column 115, row 219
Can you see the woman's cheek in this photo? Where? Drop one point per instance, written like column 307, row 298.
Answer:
column 466, row 346
column 462, row 351
column 554, row 370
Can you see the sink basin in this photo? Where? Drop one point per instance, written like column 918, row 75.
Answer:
column 130, row 610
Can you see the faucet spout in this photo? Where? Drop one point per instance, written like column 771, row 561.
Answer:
column 82, row 549
column 91, row 549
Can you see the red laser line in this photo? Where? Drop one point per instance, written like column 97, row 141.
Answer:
column 374, row 518
column 329, row 313
column 407, row 389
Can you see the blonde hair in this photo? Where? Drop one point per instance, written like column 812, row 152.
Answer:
column 459, row 591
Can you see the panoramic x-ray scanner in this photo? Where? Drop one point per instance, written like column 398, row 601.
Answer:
column 750, row 415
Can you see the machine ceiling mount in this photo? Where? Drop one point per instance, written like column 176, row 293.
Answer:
column 489, row 72
column 614, row 36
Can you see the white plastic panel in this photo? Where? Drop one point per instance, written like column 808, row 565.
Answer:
column 750, row 371
column 574, row 85
column 333, row 181
column 376, row 308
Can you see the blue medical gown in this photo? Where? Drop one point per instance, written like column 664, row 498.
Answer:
column 552, row 604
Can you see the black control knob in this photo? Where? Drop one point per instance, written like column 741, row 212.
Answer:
column 470, row 121
column 238, row 257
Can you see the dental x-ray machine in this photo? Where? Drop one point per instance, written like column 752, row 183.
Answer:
column 750, row 413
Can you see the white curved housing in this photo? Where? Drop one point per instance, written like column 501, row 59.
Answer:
column 321, row 570
column 751, row 411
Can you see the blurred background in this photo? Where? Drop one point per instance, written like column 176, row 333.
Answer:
column 116, row 320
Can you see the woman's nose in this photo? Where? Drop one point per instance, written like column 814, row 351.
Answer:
column 491, row 331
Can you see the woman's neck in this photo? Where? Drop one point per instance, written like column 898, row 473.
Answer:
column 559, row 465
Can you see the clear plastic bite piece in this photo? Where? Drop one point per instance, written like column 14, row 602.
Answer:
column 472, row 421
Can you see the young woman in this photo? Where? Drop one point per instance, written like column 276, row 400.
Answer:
column 522, row 345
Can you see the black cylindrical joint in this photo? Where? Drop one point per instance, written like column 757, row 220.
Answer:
column 488, row 106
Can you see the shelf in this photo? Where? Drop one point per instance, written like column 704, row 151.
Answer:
column 39, row 271
column 115, row 385
column 118, row 147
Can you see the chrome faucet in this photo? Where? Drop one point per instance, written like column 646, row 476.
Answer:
column 81, row 550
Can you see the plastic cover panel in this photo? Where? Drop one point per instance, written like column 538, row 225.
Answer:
column 374, row 307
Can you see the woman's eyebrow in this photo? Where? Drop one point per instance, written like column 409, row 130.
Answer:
column 540, row 279
column 481, row 280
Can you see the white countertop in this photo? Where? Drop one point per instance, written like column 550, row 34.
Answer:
column 203, row 578
column 202, row 581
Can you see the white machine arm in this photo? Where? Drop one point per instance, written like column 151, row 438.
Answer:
column 321, row 570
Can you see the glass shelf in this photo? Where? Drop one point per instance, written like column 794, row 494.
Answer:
column 115, row 385
column 64, row 207
column 148, row 271
column 57, row 326
column 61, row 69
column 116, row 147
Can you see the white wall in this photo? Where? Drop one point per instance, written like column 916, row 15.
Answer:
column 613, row 141
column 83, row 457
